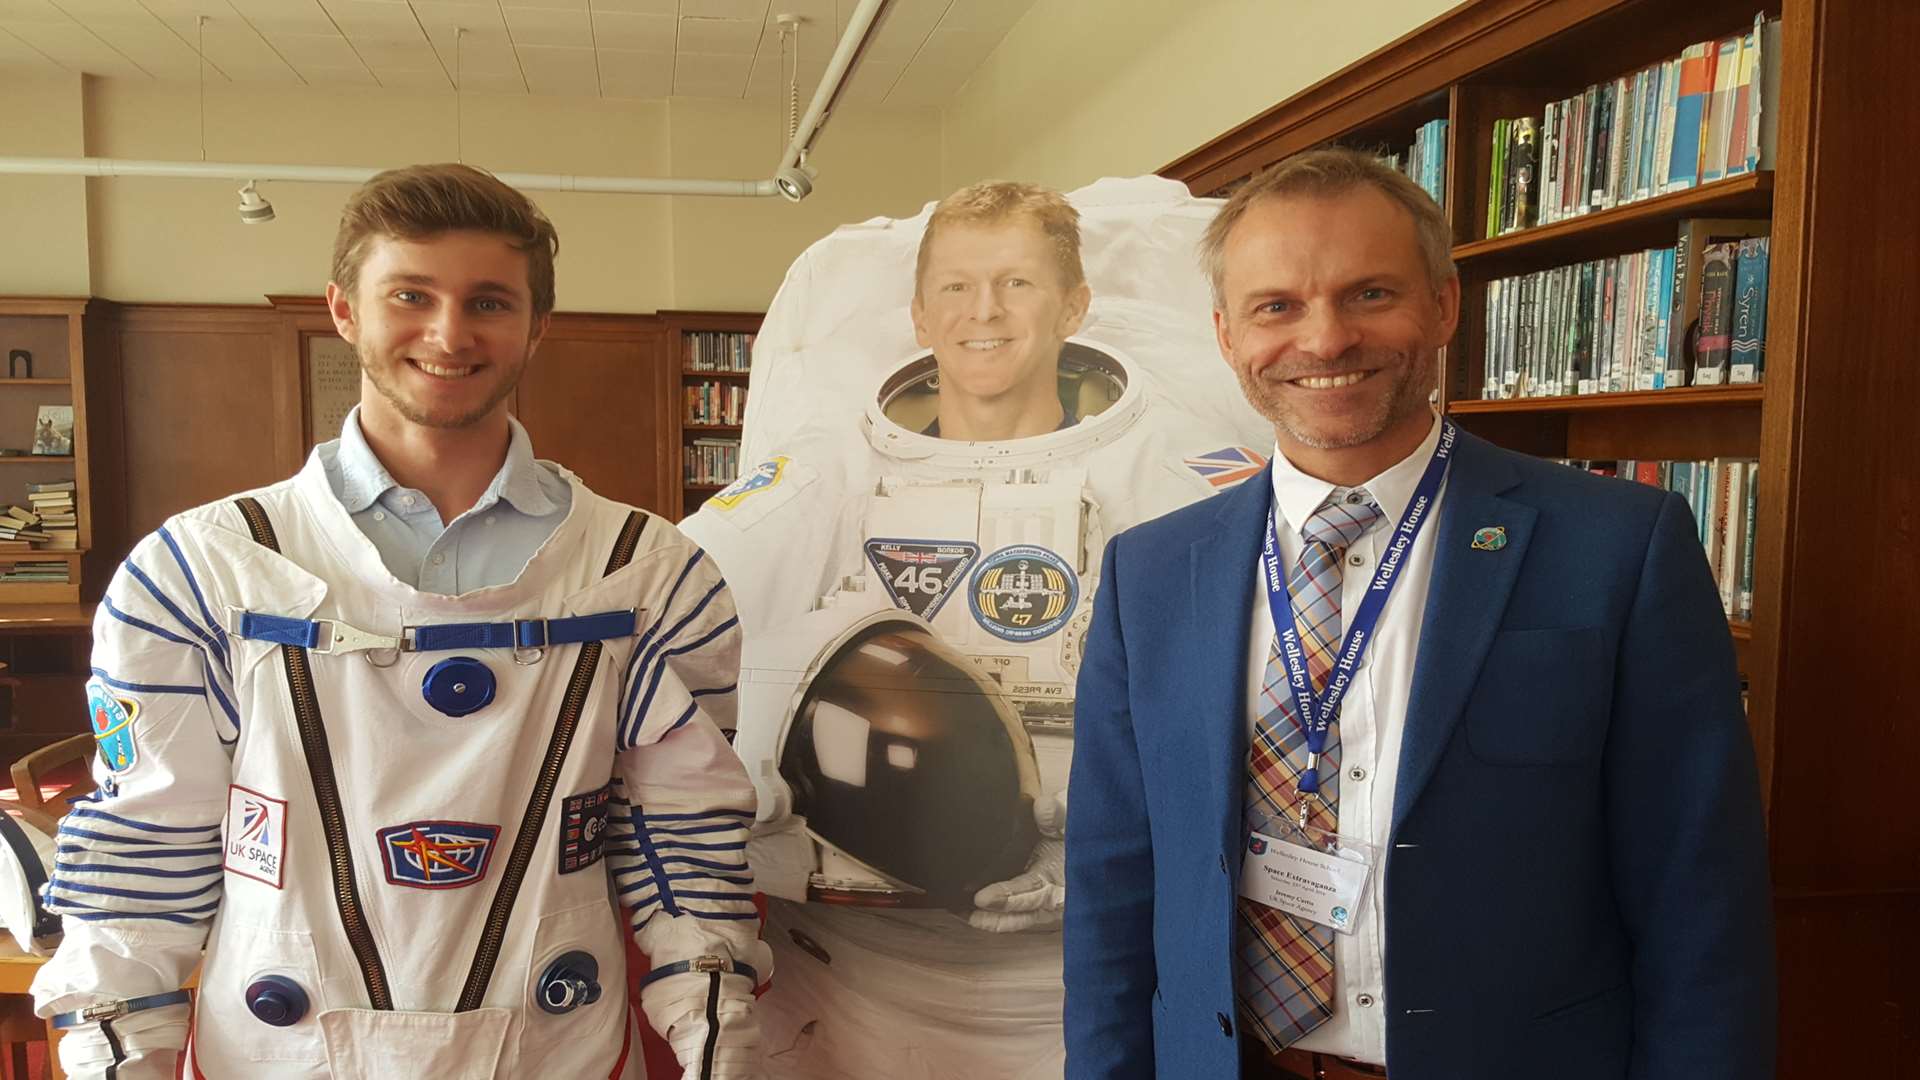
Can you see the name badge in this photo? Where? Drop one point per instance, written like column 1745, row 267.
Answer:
column 1320, row 886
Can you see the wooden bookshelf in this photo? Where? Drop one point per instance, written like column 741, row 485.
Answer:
column 680, row 325
column 1833, row 633
column 54, row 331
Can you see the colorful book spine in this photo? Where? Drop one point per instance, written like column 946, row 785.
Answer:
column 1689, row 116
column 1714, row 345
column 1747, row 351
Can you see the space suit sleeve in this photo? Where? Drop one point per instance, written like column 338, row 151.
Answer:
column 678, row 830
column 136, row 876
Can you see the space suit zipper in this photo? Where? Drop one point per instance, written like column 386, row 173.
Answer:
column 713, row 1027
column 487, row 953
column 326, row 791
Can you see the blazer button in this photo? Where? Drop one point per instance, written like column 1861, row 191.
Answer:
column 1226, row 1025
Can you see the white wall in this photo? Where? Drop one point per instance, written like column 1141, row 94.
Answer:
column 1081, row 89
column 155, row 240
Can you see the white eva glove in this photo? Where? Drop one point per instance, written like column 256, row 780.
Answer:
column 1037, row 898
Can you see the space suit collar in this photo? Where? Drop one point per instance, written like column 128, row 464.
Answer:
column 358, row 477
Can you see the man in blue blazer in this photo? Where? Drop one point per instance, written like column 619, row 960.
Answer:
column 1546, row 766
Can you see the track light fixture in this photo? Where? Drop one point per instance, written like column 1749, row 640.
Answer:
column 254, row 207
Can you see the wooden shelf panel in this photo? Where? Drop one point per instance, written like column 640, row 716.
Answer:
column 15, row 459
column 690, row 373
column 1634, row 226
column 1685, row 397
column 729, row 428
column 36, row 382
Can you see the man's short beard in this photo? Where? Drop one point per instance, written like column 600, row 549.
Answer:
column 1404, row 401
column 428, row 420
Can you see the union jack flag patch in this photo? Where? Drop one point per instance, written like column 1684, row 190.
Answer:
column 1227, row 467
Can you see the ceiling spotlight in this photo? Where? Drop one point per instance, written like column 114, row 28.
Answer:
column 794, row 182
column 254, row 208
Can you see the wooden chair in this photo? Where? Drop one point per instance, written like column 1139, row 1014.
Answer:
column 64, row 763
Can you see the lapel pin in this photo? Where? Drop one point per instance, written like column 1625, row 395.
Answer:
column 1490, row 538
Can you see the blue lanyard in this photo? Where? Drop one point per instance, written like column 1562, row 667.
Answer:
column 1318, row 714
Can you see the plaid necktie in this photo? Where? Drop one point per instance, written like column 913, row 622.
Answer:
column 1285, row 969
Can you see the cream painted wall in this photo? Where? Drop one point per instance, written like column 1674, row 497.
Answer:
column 43, row 219
column 1081, row 89
column 155, row 240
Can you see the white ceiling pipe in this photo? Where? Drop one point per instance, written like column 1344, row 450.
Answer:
column 354, row 174
column 844, row 55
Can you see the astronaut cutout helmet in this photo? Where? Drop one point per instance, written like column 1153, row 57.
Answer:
column 1098, row 396
column 906, row 760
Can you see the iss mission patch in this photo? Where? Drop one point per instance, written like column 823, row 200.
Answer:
column 919, row 574
column 437, row 854
column 113, row 718
column 1023, row 593
column 583, row 829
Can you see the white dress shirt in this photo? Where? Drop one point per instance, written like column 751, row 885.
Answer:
column 1372, row 720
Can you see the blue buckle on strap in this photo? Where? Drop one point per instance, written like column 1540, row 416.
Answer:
column 329, row 635
column 114, row 1010
column 702, row 965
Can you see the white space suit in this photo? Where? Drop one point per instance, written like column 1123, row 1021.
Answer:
column 379, row 933
column 854, row 518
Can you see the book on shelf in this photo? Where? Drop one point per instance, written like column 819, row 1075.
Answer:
column 1425, row 162
column 716, row 403
column 1707, row 114
column 719, row 350
column 1723, row 495
column 1714, row 343
column 1747, row 352
column 51, row 487
column 1689, row 249
column 711, row 461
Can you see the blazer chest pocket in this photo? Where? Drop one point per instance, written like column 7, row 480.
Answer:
column 1543, row 697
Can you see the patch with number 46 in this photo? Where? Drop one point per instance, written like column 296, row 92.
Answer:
column 919, row 574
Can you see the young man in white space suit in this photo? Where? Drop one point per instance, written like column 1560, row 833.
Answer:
column 913, row 557
column 412, row 741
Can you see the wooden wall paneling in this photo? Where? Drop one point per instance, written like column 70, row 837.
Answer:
column 594, row 398
column 105, row 396
column 1845, row 693
column 212, row 406
column 1846, row 981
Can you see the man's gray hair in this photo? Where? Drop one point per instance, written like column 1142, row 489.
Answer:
column 1330, row 171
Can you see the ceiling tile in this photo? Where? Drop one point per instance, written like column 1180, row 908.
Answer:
column 560, row 71
column 150, row 44
column 412, row 78
column 903, row 30
column 415, row 55
column 367, row 21
column 627, row 30
column 86, row 11
column 769, row 78
column 314, row 50
column 928, row 84
column 966, row 49
column 271, row 16
column 170, row 9
column 559, row 5
column 75, row 48
column 726, row 37
column 625, row 73
column 707, row 75
column 871, row 83
column 639, row 7
column 725, row 9
column 331, row 76
column 13, row 12
column 488, row 83
column 989, row 16
column 546, row 26
column 17, row 57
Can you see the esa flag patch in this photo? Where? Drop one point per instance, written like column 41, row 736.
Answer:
column 1228, row 466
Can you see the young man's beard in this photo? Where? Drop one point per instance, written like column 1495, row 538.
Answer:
column 413, row 414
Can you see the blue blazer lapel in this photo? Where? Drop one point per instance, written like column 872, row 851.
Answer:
column 1465, row 602
column 1221, row 566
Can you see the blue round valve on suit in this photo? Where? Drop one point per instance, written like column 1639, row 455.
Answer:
column 570, row 981
column 276, row 1000
column 458, row 686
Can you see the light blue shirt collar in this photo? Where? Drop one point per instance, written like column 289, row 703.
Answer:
column 363, row 479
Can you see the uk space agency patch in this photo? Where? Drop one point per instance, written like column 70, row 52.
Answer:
column 113, row 725
column 437, row 854
column 583, row 829
column 1023, row 593
column 919, row 574
column 256, row 835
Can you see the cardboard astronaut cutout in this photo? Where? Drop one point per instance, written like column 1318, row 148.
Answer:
column 913, row 609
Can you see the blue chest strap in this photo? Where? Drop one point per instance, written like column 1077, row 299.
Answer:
column 335, row 636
